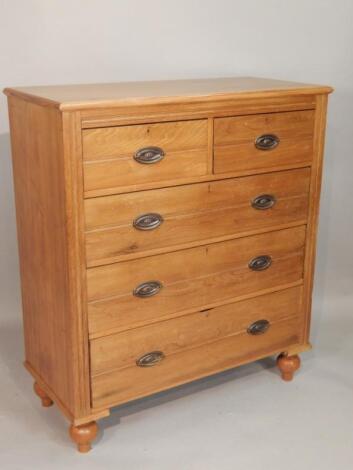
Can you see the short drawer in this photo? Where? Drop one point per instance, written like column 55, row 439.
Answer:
column 263, row 141
column 144, row 153
column 188, row 331
column 140, row 223
column 140, row 291
column 168, row 364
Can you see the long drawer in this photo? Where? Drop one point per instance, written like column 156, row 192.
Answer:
column 134, row 292
column 188, row 331
column 149, row 359
column 127, row 225
column 263, row 141
column 144, row 153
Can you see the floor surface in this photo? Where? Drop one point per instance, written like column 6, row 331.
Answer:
column 245, row 419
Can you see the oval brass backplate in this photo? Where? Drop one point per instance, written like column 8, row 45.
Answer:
column 148, row 155
column 150, row 359
column 148, row 221
column 259, row 327
column 263, row 201
column 266, row 142
column 260, row 263
column 147, row 289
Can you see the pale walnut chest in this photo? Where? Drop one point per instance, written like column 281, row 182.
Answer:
column 166, row 232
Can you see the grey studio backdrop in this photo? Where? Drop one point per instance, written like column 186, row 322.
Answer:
column 76, row 41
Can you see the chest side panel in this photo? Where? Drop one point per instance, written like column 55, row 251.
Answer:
column 37, row 150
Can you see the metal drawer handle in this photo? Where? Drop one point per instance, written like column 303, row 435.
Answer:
column 147, row 289
column 263, row 202
column 266, row 142
column 148, row 155
column 259, row 327
column 150, row 359
column 260, row 263
column 148, row 221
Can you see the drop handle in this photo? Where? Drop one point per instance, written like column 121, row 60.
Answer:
column 259, row 327
column 267, row 141
column 260, row 263
column 149, row 155
column 150, row 359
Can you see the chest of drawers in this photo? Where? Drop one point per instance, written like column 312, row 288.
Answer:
column 166, row 232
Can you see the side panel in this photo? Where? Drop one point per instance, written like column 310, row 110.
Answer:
column 45, row 236
column 314, row 197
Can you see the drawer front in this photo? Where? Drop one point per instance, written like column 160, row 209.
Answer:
column 191, row 214
column 131, row 382
column 144, row 153
column 263, row 141
column 135, row 292
column 188, row 331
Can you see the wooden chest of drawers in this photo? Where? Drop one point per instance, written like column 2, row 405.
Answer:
column 166, row 232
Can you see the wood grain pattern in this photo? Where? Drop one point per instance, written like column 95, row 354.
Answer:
column 36, row 133
column 191, row 214
column 122, row 385
column 123, row 141
column 191, row 278
column 105, row 176
column 315, row 188
column 235, row 137
column 84, row 328
column 235, row 105
column 109, row 153
column 191, row 180
column 72, row 145
column 144, row 186
column 104, row 95
column 171, row 336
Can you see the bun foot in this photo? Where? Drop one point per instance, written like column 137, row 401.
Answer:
column 45, row 399
column 83, row 435
column 288, row 365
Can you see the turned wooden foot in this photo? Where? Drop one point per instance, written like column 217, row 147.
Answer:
column 46, row 400
column 288, row 365
column 83, row 435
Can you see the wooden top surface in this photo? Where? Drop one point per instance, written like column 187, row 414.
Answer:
column 85, row 96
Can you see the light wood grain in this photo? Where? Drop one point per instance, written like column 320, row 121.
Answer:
column 106, row 176
column 191, row 214
column 124, row 141
column 48, row 259
column 235, row 138
column 191, row 278
column 122, row 385
column 236, row 105
column 171, row 336
column 315, row 188
column 103, row 95
column 73, row 146
column 109, row 153
column 168, row 183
